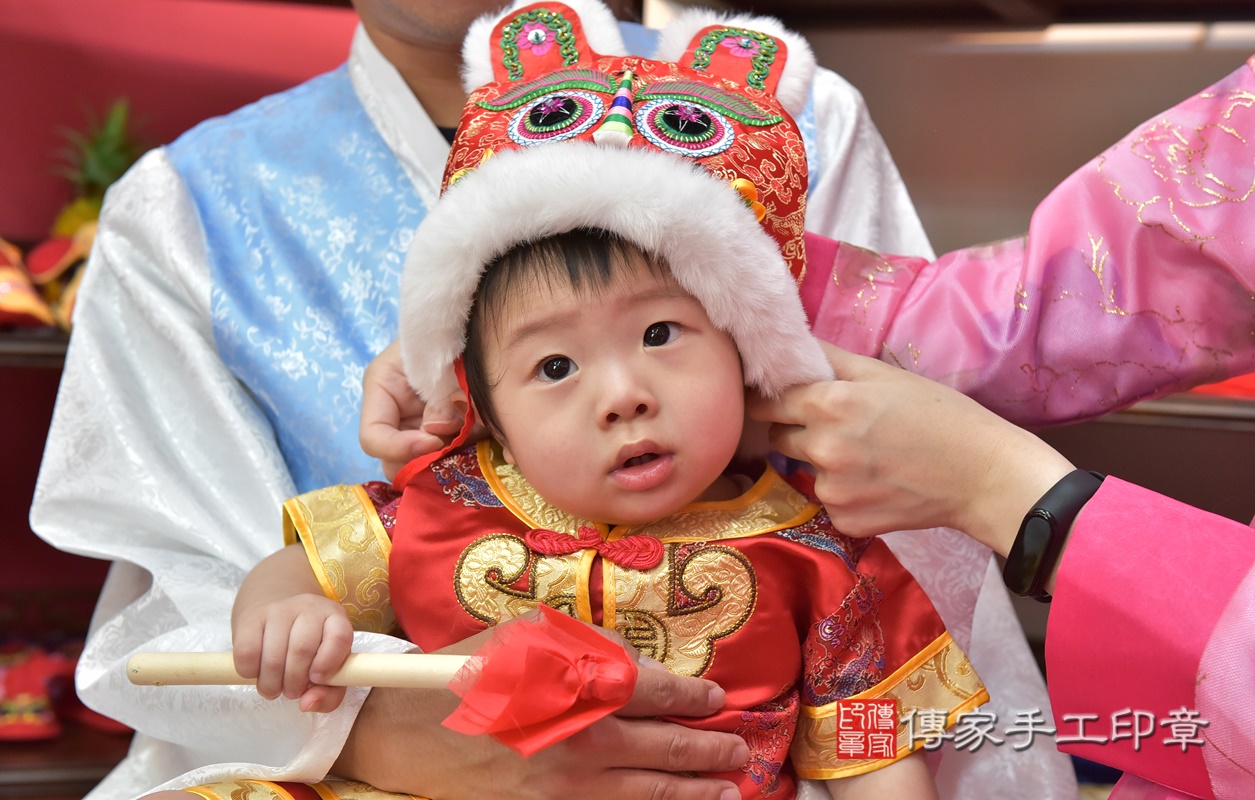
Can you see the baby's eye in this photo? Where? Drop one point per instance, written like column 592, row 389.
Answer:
column 556, row 368
column 660, row 333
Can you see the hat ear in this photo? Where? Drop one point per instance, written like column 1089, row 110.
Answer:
column 532, row 39
column 758, row 52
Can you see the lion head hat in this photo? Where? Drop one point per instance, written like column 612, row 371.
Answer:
column 691, row 156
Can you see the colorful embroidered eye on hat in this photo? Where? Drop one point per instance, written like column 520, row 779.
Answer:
column 691, row 156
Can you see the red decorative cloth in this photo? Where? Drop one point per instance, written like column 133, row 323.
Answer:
column 537, row 683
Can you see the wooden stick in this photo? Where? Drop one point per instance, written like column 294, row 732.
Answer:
column 397, row 670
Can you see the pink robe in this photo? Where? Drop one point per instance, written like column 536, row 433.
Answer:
column 1154, row 611
column 1136, row 279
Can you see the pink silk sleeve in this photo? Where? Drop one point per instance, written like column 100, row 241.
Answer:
column 1135, row 279
column 1154, row 612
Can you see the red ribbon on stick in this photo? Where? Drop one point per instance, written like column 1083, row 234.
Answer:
column 536, row 684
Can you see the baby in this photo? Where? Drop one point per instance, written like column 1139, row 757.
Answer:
column 611, row 489
column 612, row 264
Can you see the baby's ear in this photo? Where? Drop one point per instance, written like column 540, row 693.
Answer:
column 755, row 438
column 480, row 429
column 483, row 430
column 505, row 453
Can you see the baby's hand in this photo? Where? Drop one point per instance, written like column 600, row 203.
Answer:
column 290, row 646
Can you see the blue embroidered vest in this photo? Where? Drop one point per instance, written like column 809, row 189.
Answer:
column 305, row 255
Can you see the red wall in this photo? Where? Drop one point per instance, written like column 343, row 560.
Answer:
column 178, row 61
column 43, row 592
column 25, row 409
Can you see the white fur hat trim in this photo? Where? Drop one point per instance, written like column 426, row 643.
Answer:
column 715, row 248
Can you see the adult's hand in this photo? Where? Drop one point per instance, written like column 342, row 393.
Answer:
column 895, row 451
column 398, row 744
column 393, row 427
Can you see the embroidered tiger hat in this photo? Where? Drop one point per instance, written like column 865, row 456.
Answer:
column 691, row 156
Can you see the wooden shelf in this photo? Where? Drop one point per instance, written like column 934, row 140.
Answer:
column 33, row 347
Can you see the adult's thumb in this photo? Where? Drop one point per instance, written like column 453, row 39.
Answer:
column 849, row 366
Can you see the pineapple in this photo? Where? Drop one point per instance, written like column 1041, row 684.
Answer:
column 94, row 160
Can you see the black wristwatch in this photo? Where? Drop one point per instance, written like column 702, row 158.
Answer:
column 1039, row 542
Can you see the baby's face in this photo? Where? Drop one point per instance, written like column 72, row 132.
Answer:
column 619, row 405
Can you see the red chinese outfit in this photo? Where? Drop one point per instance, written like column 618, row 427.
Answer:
column 760, row 594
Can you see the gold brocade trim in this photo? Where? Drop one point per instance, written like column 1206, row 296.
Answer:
column 324, row 792
column 674, row 612
column 939, row 678
column 677, row 611
column 355, row 790
column 348, row 550
column 266, row 790
column 241, row 790
column 583, row 592
column 609, row 600
column 771, row 504
column 490, row 567
column 518, row 495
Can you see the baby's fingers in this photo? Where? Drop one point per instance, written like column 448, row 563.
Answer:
column 246, row 639
column 304, row 643
column 322, row 699
column 337, row 641
column 274, row 660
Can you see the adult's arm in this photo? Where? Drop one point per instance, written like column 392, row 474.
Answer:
column 1133, row 281
column 1154, row 612
column 158, row 460
column 1154, row 601
column 894, row 451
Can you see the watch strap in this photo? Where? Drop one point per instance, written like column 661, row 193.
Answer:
column 1039, row 542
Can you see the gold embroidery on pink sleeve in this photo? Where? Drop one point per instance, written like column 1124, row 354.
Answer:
column 1179, row 156
column 913, row 351
column 870, row 293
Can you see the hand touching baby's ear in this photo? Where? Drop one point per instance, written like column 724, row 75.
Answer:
column 396, row 425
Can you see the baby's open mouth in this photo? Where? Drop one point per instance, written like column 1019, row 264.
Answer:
column 636, row 461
